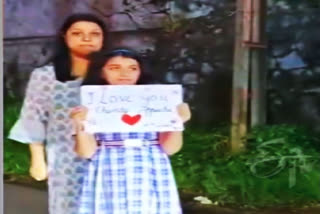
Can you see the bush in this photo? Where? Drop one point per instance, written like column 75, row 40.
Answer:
column 16, row 155
column 280, row 167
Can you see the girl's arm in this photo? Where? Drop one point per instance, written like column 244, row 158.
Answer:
column 86, row 144
column 31, row 125
column 171, row 142
column 38, row 165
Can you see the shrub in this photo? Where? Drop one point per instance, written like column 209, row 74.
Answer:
column 280, row 167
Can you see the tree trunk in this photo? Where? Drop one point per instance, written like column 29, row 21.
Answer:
column 249, row 71
column 258, row 66
column 240, row 84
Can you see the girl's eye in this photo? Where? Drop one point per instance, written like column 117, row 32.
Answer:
column 95, row 33
column 112, row 68
column 76, row 33
column 134, row 69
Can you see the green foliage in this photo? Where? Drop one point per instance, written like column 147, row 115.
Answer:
column 11, row 112
column 281, row 167
column 199, row 149
column 16, row 155
column 16, row 158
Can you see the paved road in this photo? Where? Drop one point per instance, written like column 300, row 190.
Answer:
column 20, row 199
column 24, row 200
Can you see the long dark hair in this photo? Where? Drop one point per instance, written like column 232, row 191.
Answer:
column 100, row 58
column 62, row 59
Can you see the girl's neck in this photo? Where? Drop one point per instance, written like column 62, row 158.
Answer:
column 79, row 66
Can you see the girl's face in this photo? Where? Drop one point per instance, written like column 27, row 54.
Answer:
column 84, row 37
column 121, row 70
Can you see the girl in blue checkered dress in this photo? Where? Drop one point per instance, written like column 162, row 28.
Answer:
column 122, row 178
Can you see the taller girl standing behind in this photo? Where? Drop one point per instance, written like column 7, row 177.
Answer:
column 44, row 121
column 126, row 179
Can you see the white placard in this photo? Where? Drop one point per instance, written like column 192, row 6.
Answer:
column 136, row 108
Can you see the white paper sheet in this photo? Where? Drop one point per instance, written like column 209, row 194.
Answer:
column 137, row 108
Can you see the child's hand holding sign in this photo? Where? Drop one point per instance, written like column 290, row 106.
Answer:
column 184, row 112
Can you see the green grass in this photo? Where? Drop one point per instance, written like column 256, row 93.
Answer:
column 280, row 167
column 16, row 158
column 16, row 155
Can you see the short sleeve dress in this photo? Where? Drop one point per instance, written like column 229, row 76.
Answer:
column 129, row 180
column 45, row 118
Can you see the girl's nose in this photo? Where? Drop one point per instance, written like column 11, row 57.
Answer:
column 86, row 37
column 124, row 72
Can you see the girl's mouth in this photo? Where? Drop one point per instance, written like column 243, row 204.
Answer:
column 86, row 46
column 124, row 80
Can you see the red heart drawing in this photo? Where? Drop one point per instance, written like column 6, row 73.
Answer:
column 131, row 120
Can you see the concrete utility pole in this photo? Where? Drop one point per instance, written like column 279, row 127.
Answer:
column 249, row 71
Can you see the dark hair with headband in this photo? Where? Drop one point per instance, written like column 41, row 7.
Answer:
column 99, row 59
column 62, row 59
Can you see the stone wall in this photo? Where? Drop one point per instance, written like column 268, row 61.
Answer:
column 294, row 65
column 35, row 18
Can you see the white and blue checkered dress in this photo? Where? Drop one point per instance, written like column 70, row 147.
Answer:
column 129, row 180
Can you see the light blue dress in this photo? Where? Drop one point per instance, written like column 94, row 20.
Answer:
column 130, row 179
column 45, row 118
